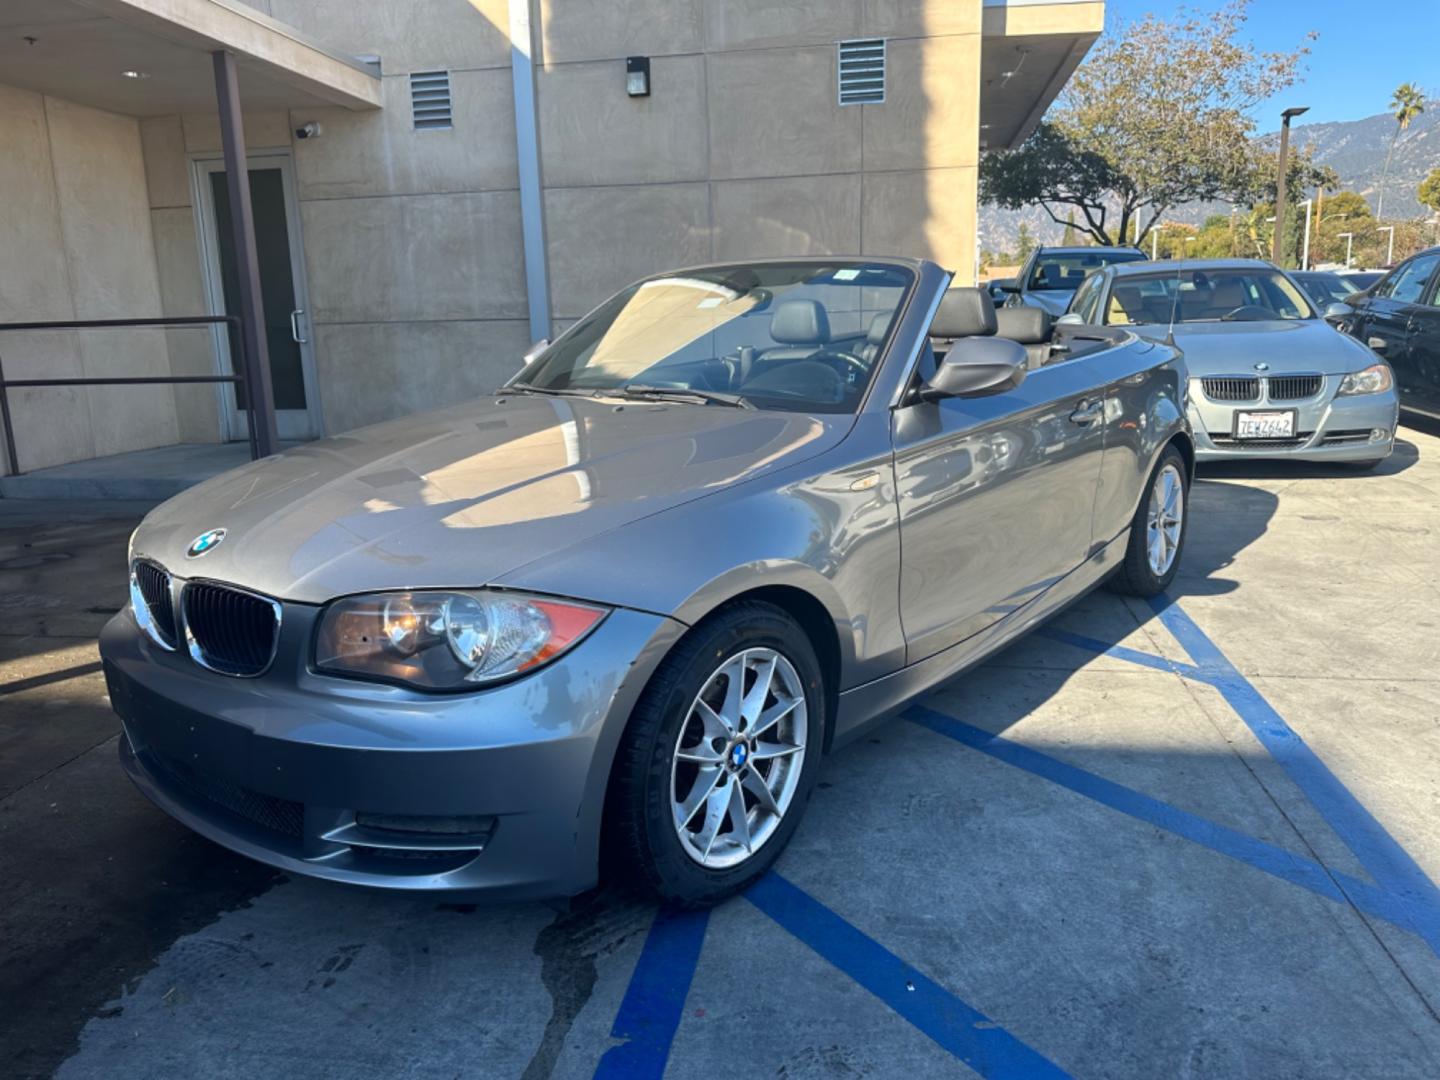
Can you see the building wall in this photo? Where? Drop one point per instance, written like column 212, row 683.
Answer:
column 77, row 244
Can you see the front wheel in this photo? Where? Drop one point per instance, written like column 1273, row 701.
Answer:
column 1157, row 532
column 719, row 758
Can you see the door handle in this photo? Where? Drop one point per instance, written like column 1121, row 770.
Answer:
column 1087, row 412
column 295, row 326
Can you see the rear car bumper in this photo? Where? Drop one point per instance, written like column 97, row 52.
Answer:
column 1328, row 428
column 499, row 790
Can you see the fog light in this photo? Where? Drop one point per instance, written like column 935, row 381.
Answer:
column 1379, row 434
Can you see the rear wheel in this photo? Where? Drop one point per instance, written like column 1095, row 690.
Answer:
column 1157, row 532
column 719, row 758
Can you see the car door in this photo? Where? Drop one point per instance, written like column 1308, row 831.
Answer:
column 996, row 496
column 1385, row 324
column 1423, row 352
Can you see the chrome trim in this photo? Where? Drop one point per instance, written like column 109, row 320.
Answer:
column 141, row 608
column 193, row 647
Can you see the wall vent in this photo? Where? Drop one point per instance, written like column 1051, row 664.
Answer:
column 430, row 100
column 862, row 71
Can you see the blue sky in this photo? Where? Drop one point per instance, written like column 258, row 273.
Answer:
column 1366, row 49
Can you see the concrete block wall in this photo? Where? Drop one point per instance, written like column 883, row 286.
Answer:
column 78, row 244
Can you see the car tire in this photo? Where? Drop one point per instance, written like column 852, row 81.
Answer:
column 1142, row 573
column 658, row 771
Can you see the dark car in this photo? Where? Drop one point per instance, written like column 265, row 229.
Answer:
column 1399, row 317
column 1325, row 287
column 1051, row 275
column 1361, row 279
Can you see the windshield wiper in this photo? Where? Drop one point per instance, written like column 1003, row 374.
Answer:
column 530, row 388
column 680, row 393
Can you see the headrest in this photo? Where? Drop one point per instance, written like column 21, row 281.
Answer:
column 800, row 322
column 878, row 325
column 1027, row 325
column 964, row 313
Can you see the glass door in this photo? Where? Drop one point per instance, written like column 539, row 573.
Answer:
column 282, row 290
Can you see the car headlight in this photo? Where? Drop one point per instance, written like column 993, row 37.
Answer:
column 448, row 640
column 1375, row 379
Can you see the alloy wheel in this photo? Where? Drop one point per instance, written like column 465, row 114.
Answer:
column 1165, row 520
column 738, row 758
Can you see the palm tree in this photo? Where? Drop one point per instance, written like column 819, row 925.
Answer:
column 1405, row 106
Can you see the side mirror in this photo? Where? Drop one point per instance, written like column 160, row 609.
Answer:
column 534, row 351
column 1008, row 284
column 1337, row 312
column 1070, row 318
column 977, row 367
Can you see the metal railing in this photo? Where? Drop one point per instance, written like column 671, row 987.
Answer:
column 232, row 326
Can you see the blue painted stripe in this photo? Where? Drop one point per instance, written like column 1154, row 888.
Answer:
column 1267, row 857
column 655, row 999
column 1379, row 852
column 1119, row 652
column 966, row 1033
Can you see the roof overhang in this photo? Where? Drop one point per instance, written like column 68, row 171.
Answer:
column 1029, row 50
column 81, row 50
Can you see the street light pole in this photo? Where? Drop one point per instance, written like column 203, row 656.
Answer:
column 1285, row 118
column 1390, row 254
column 1349, row 245
column 1305, row 254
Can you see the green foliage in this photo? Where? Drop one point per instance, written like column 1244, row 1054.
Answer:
column 1429, row 191
column 1025, row 243
column 1158, row 116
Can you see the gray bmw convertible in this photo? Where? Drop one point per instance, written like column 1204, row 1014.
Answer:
column 616, row 613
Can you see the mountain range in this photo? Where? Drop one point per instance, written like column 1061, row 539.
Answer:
column 1355, row 149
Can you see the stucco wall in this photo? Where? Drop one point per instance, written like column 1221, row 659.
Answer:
column 77, row 244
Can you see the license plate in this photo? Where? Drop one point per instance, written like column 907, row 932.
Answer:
column 1265, row 425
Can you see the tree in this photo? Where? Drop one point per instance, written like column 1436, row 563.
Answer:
column 1429, row 191
column 1406, row 104
column 1024, row 243
column 1343, row 212
column 1157, row 116
column 1070, row 239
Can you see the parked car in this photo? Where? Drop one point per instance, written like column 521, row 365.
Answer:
column 1268, row 377
column 629, row 602
column 999, row 290
column 1361, row 279
column 1051, row 275
column 1399, row 318
column 1324, row 287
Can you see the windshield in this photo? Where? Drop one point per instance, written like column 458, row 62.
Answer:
column 799, row 337
column 1326, row 288
column 1250, row 295
column 1064, row 270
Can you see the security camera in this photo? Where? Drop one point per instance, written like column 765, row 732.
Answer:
column 309, row 131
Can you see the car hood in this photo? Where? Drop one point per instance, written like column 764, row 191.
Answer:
column 1055, row 301
column 1234, row 348
column 459, row 497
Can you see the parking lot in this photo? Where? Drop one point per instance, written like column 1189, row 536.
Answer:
column 1193, row 838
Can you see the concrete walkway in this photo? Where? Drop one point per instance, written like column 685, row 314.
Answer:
column 142, row 474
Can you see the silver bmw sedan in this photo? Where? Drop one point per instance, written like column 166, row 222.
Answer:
column 1268, row 376
column 616, row 613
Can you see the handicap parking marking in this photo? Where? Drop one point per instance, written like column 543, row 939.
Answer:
column 1400, row 894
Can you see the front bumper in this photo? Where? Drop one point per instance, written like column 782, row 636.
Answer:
column 500, row 790
column 1328, row 428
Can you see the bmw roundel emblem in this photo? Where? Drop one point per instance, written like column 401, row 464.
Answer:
column 738, row 755
column 206, row 541
column 1262, row 366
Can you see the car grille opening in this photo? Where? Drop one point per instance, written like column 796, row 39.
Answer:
column 230, row 631
column 1294, row 387
column 154, row 586
column 1354, row 435
column 1229, row 442
column 277, row 815
column 1232, row 388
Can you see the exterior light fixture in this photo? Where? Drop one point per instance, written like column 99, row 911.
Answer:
column 135, row 74
column 637, row 76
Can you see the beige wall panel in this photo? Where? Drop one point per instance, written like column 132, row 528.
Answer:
column 595, row 29
column 931, row 115
column 374, row 371
column 105, row 223
column 921, row 18
column 601, row 239
column 263, row 131
column 380, row 153
column 182, row 292
column 415, row 257
column 775, row 113
column 593, row 133
column 741, row 24
column 416, row 36
column 167, row 173
column 928, row 214
column 804, row 215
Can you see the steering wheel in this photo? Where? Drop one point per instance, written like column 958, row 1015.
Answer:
column 860, row 368
column 1248, row 313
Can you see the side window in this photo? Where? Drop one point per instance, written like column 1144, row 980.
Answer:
column 1408, row 281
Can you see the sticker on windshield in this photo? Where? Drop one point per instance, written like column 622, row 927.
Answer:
column 846, row 275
